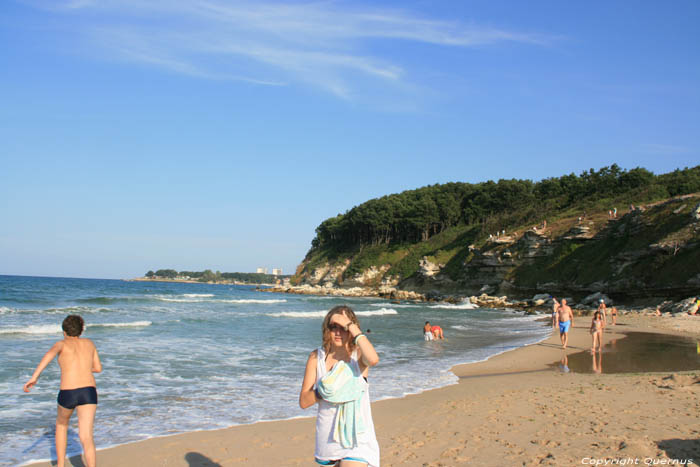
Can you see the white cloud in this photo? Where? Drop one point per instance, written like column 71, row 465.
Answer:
column 325, row 44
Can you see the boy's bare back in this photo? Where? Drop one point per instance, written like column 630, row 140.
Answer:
column 77, row 358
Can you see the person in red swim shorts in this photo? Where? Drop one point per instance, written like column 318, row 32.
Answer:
column 437, row 332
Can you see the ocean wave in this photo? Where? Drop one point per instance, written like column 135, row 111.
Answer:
column 379, row 312
column 201, row 299
column 192, row 295
column 298, row 314
column 398, row 305
column 322, row 313
column 33, row 329
column 459, row 306
column 64, row 310
column 100, row 300
column 182, row 300
column 57, row 329
column 252, row 300
column 121, row 325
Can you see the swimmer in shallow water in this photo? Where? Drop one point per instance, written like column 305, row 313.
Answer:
column 78, row 360
column 427, row 331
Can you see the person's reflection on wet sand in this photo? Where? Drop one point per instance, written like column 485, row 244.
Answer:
column 597, row 362
column 564, row 365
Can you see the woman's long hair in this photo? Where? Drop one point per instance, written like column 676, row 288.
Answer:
column 327, row 322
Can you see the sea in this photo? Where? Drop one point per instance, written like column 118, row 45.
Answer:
column 181, row 357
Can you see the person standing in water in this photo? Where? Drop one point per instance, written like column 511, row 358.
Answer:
column 427, row 331
column 437, row 332
column 596, row 332
column 604, row 311
column 78, row 360
column 336, row 379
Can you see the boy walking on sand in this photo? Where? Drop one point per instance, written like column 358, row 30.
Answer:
column 78, row 360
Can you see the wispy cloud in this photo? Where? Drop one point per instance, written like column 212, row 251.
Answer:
column 324, row 44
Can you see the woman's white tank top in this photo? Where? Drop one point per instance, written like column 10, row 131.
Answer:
column 326, row 449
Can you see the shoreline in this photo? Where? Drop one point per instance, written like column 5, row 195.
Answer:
column 512, row 406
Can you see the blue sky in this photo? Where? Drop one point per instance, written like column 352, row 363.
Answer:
column 193, row 134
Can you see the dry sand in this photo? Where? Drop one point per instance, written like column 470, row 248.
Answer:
column 518, row 408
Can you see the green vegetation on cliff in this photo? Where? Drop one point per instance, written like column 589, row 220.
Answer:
column 441, row 222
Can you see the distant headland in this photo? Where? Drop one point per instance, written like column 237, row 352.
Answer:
column 213, row 277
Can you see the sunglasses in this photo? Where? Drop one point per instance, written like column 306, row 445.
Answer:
column 335, row 328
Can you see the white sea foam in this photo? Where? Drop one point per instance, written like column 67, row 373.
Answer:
column 202, row 298
column 192, row 295
column 33, row 329
column 459, row 306
column 183, row 300
column 379, row 312
column 64, row 310
column 57, row 329
column 322, row 313
column 299, row 314
column 253, row 300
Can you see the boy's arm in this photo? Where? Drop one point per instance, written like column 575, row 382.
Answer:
column 96, row 364
column 46, row 359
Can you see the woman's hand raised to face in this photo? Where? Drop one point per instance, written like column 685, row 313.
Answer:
column 341, row 320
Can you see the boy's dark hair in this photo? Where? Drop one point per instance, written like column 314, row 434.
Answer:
column 73, row 325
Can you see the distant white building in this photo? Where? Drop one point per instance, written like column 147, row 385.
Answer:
column 276, row 271
column 261, row 271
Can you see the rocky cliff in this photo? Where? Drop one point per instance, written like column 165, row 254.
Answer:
column 647, row 251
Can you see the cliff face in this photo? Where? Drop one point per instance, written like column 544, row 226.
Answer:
column 650, row 251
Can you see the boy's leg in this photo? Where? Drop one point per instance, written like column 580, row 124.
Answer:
column 62, row 419
column 86, row 420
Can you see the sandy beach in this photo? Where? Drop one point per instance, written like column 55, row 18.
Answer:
column 519, row 408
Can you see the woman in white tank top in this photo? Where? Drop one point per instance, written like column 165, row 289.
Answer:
column 336, row 379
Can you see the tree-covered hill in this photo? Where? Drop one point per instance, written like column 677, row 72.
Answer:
column 439, row 223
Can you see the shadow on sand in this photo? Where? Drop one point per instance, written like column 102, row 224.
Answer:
column 681, row 449
column 195, row 459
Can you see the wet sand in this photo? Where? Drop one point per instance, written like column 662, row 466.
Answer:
column 518, row 408
column 640, row 352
